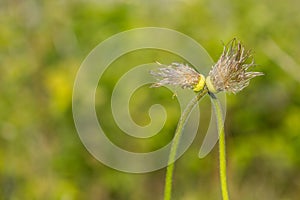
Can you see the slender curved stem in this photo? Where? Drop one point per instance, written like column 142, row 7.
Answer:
column 222, row 147
column 178, row 133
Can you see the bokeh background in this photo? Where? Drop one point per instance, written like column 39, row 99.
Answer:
column 43, row 43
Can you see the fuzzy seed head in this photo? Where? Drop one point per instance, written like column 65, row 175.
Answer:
column 176, row 74
column 230, row 72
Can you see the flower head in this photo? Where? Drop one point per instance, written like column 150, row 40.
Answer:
column 179, row 75
column 230, row 72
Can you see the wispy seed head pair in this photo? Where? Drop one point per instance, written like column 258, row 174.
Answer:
column 229, row 74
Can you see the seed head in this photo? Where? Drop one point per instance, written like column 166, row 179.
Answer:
column 179, row 75
column 230, row 72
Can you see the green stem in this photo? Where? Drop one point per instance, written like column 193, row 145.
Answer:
column 178, row 133
column 222, row 147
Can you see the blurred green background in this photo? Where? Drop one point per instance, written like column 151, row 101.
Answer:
column 43, row 43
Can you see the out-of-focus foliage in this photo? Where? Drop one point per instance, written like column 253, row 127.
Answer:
column 42, row 44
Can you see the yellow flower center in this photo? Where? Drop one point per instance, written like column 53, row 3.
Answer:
column 200, row 85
